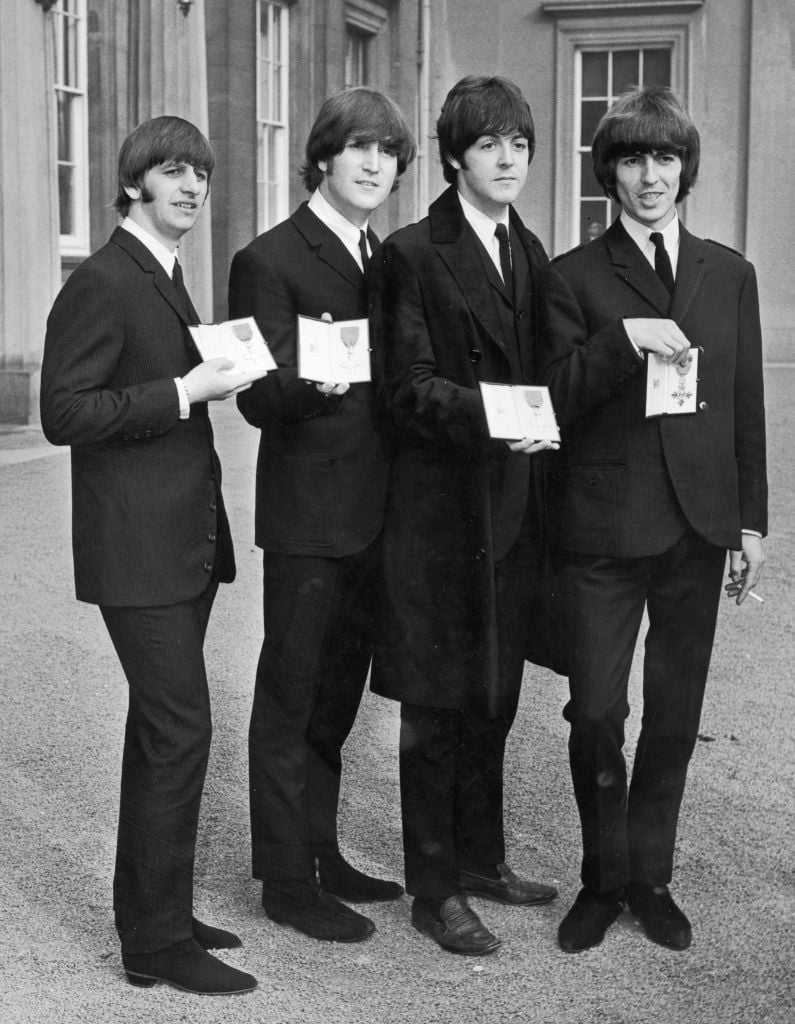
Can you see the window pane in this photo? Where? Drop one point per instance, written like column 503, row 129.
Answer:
column 626, row 70
column 65, row 105
column 66, row 198
column 593, row 219
column 589, row 186
column 591, row 112
column 594, row 74
column 656, row 67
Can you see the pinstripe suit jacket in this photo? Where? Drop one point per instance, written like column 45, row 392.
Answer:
column 147, row 512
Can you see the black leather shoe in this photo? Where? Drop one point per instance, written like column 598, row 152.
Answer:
column 186, row 966
column 342, row 880
column 214, row 938
column 508, row 888
column 663, row 922
column 589, row 918
column 455, row 926
column 303, row 905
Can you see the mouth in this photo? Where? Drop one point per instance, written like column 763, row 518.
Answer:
column 186, row 206
column 650, row 197
column 368, row 184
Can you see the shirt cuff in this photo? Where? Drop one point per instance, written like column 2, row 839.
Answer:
column 184, row 401
column 752, row 533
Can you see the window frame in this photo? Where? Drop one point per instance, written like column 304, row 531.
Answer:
column 72, row 15
column 272, row 196
column 598, row 26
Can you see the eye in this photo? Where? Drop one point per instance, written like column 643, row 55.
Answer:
column 388, row 151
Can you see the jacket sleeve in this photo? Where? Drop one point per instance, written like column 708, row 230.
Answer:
column 257, row 289
column 86, row 335
column 749, row 409
column 583, row 370
column 410, row 329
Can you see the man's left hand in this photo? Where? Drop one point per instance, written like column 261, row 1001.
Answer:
column 745, row 568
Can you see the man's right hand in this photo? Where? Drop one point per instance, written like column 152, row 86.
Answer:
column 211, row 381
column 649, row 334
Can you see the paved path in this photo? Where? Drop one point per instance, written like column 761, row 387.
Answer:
column 61, row 725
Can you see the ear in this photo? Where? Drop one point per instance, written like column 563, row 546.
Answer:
column 455, row 164
column 322, row 166
column 133, row 192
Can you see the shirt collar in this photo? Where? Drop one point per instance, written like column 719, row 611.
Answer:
column 334, row 220
column 164, row 256
column 640, row 234
column 482, row 225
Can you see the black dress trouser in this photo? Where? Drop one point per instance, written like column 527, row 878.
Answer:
column 166, row 748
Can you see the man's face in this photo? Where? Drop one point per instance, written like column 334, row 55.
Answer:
column 647, row 185
column 357, row 180
column 492, row 172
column 170, row 201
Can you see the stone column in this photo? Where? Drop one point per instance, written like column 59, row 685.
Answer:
column 29, row 256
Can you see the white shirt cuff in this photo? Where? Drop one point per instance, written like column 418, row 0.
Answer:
column 184, row 401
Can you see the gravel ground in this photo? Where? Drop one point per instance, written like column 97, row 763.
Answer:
column 60, row 746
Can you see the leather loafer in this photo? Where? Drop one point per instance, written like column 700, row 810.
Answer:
column 456, row 926
column 589, row 918
column 303, row 905
column 342, row 880
column 188, row 967
column 663, row 922
column 214, row 938
column 508, row 888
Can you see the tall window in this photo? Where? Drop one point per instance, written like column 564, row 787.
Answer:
column 272, row 114
column 601, row 49
column 601, row 76
column 356, row 57
column 69, row 24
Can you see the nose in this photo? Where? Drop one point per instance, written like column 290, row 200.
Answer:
column 506, row 153
column 190, row 183
column 372, row 157
column 649, row 168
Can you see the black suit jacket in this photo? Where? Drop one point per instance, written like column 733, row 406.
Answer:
column 714, row 459
column 148, row 517
column 321, row 469
column 439, row 328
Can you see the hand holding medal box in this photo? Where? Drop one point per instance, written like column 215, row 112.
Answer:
column 238, row 340
column 333, row 351
column 671, row 388
column 517, row 411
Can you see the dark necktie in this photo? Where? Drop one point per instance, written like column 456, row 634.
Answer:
column 662, row 263
column 179, row 286
column 363, row 251
column 505, row 259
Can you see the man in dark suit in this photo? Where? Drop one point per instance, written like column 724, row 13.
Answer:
column 321, row 482
column 649, row 505
column 123, row 384
column 455, row 304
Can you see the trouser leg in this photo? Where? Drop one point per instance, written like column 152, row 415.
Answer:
column 166, row 748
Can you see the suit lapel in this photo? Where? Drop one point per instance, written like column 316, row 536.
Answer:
column 634, row 269
column 458, row 247
column 150, row 265
column 328, row 246
column 690, row 270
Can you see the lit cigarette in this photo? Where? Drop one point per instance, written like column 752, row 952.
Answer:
column 756, row 597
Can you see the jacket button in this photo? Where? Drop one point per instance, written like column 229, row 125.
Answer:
column 703, row 406
column 213, row 506
column 480, row 554
column 208, row 567
column 475, row 355
column 211, row 537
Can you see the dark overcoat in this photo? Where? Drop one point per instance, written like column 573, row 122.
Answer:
column 437, row 332
column 147, row 511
